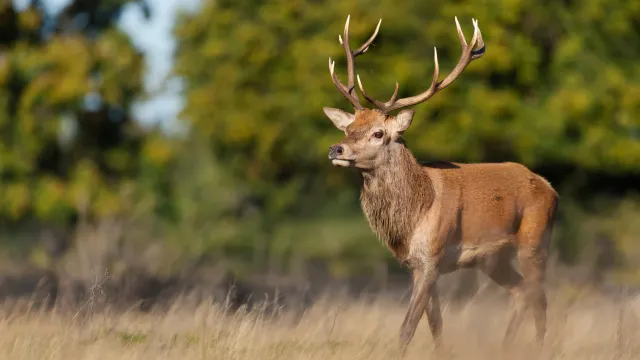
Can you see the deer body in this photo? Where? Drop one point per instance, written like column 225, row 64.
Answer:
column 459, row 214
column 439, row 217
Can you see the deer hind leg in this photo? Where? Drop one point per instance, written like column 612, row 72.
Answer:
column 534, row 238
column 533, row 269
column 434, row 317
column 500, row 270
column 424, row 298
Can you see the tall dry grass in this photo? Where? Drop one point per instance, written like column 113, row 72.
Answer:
column 588, row 327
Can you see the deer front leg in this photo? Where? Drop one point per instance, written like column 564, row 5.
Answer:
column 424, row 298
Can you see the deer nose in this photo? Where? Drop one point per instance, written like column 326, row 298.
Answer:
column 335, row 151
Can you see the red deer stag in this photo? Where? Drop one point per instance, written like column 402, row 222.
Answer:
column 436, row 218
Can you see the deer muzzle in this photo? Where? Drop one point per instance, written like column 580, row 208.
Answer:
column 339, row 155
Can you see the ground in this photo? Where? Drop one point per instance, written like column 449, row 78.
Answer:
column 580, row 327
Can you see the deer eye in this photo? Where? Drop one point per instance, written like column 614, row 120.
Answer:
column 378, row 134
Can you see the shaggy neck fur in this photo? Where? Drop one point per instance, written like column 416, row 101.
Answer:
column 394, row 196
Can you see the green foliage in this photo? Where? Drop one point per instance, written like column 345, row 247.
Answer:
column 68, row 141
column 250, row 184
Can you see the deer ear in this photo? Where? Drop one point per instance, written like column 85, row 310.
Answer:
column 341, row 119
column 403, row 121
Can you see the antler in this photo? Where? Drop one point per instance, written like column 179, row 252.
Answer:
column 347, row 91
column 468, row 55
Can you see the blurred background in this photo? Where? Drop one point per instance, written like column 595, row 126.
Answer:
column 151, row 145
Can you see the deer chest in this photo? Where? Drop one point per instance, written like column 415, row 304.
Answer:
column 390, row 221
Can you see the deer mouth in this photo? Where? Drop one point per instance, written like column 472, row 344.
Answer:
column 342, row 162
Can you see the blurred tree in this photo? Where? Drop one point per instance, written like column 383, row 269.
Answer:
column 68, row 141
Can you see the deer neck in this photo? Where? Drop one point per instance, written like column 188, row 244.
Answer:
column 394, row 196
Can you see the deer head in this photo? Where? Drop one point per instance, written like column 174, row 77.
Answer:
column 370, row 134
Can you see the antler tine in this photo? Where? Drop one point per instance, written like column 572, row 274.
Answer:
column 463, row 41
column 379, row 104
column 343, row 89
column 465, row 57
column 351, row 55
column 480, row 45
column 362, row 49
column 393, row 97
column 348, row 90
column 468, row 55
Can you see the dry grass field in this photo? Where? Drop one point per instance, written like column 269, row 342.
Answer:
column 585, row 327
